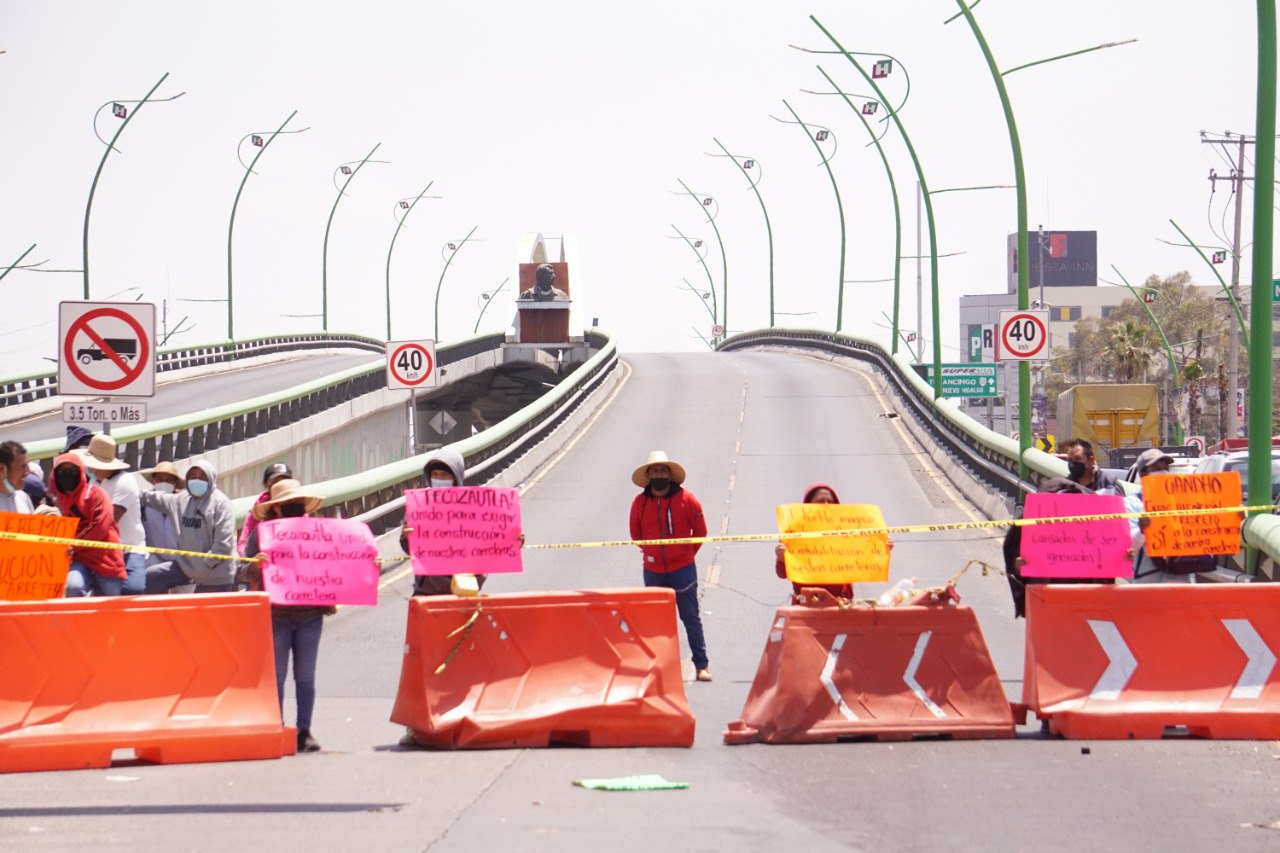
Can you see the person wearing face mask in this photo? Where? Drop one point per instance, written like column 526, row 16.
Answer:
column 295, row 629
column 1148, row 569
column 815, row 493
column 159, row 530
column 206, row 523
column 122, row 489
column 666, row 510
column 444, row 468
column 100, row 571
column 272, row 474
column 13, row 474
column 1083, row 468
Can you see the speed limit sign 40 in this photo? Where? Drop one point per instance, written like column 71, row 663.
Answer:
column 411, row 364
column 1023, row 336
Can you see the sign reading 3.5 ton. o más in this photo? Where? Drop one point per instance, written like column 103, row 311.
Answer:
column 411, row 364
column 1023, row 336
column 107, row 348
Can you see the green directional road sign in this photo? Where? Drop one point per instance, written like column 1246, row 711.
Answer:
column 1275, row 290
column 963, row 380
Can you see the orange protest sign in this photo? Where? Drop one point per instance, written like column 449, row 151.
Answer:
column 1179, row 536
column 856, row 558
column 34, row 571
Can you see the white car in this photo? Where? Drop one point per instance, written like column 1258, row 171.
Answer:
column 1238, row 460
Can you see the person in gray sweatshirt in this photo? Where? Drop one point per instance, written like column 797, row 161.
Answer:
column 205, row 522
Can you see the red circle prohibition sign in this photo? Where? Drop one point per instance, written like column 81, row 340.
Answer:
column 1043, row 333
column 426, row 357
column 81, row 324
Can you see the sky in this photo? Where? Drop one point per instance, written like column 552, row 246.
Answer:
column 580, row 118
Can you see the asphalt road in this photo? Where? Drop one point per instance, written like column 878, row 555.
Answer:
column 752, row 430
column 189, row 396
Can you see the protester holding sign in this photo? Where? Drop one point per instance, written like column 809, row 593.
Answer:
column 97, row 570
column 443, row 469
column 295, row 629
column 272, row 474
column 816, row 493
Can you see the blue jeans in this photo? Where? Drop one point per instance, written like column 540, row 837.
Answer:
column 165, row 577
column 81, row 581
column 685, row 582
column 136, row 566
column 303, row 639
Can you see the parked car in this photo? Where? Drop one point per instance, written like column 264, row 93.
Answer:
column 1181, row 465
column 1238, row 460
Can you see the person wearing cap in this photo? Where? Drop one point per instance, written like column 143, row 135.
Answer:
column 93, row 570
column 1152, row 462
column 666, row 510
column 159, row 530
column 444, row 468
column 13, row 474
column 122, row 489
column 206, row 523
column 295, row 629
column 272, row 474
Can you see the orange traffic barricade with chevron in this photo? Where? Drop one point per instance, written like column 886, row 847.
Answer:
column 1133, row 661
column 592, row 668
column 175, row 678
column 887, row 673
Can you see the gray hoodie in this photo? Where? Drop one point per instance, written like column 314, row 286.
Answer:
column 206, row 524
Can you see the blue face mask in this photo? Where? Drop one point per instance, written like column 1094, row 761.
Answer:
column 198, row 488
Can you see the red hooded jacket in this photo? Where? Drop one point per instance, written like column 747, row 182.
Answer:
column 676, row 515
column 780, row 566
column 91, row 505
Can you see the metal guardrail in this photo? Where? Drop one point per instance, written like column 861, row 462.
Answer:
column 189, row 435
column 992, row 458
column 376, row 496
column 36, row 386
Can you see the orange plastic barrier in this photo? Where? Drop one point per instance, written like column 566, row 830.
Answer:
column 883, row 673
column 177, row 678
column 1129, row 661
column 597, row 668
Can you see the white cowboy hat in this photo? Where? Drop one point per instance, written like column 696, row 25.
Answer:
column 100, row 455
column 149, row 474
column 284, row 491
column 658, row 457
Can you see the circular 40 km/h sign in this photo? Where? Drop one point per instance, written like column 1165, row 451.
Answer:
column 1024, row 335
column 107, row 348
column 411, row 364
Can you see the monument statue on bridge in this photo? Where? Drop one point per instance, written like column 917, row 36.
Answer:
column 544, row 289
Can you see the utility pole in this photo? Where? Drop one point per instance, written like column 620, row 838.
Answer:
column 919, row 281
column 1237, row 179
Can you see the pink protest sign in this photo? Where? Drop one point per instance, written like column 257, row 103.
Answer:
column 319, row 561
column 1076, row 549
column 463, row 530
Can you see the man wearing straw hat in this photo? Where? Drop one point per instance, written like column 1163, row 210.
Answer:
column 666, row 510
column 160, row 530
column 122, row 489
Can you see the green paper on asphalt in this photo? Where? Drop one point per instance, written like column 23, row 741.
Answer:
column 650, row 782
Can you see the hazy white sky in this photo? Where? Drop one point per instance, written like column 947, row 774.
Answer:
column 578, row 117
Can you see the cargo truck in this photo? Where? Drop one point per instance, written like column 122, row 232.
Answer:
column 1110, row 416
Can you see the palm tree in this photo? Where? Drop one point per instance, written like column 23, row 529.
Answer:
column 1129, row 349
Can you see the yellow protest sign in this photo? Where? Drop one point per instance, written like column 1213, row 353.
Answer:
column 34, row 571
column 855, row 558
column 1204, row 533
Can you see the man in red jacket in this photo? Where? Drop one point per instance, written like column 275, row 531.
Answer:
column 97, row 570
column 665, row 510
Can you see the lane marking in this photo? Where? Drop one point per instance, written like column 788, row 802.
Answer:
column 910, row 675
column 828, row 670
column 1261, row 659
column 1122, row 662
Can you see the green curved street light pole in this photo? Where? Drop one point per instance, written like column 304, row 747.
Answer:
column 1260, row 367
column 928, row 203
column 897, row 212
column 1235, row 304
column 324, row 260
column 11, row 266
column 1020, row 178
column 488, row 300
column 826, row 162
column 408, row 207
column 705, row 203
column 111, row 146
column 456, row 247
column 767, row 226
column 262, row 145
column 715, row 312
column 703, row 298
column 1168, row 350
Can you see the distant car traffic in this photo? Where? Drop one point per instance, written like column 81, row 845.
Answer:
column 1239, row 461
